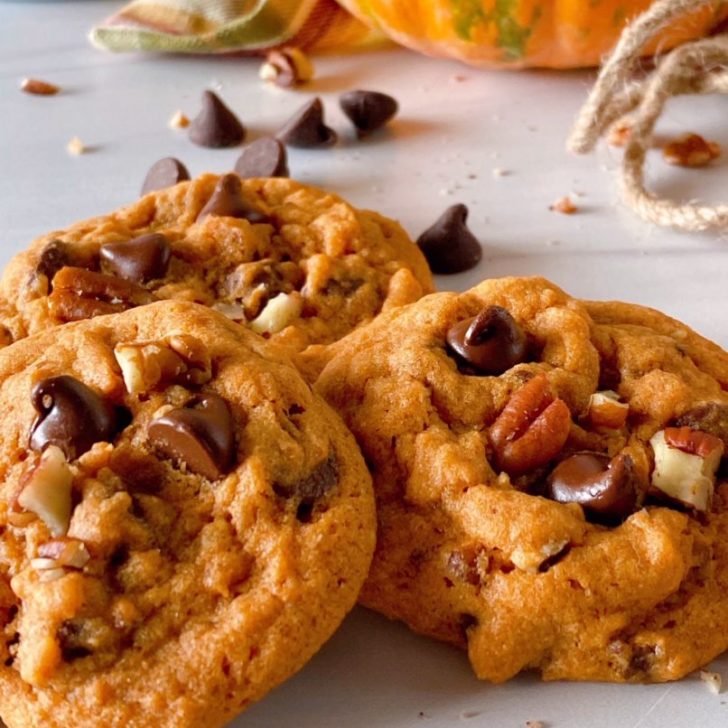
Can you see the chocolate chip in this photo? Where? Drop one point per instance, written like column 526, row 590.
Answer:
column 314, row 485
column 73, row 640
column 710, row 417
column 200, row 434
column 140, row 260
column 71, row 416
column 607, row 490
column 368, row 110
column 227, row 201
column 265, row 157
column 164, row 173
column 306, row 127
column 53, row 257
column 448, row 245
column 491, row 342
column 215, row 126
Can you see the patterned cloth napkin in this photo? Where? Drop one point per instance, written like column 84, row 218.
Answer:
column 230, row 26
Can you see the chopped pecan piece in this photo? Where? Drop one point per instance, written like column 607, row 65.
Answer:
column 80, row 294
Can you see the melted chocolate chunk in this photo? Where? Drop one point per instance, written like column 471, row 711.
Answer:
column 607, row 490
column 314, row 485
column 306, row 128
column 139, row 260
column 368, row 110
column 491, row 342
column 265, row 157
column 227, row 201
column 215, row 126
column 164, row 173
column 201, row 435
column 448, row 244
column 53, row 257
column 71, row 416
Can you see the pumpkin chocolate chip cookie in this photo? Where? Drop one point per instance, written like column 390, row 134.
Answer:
column 182, row 522
column 296, row 264
column 550, row 479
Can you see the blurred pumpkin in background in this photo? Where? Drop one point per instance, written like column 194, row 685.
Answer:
column 523, row 33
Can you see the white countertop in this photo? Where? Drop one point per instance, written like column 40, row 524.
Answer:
column 455, row 127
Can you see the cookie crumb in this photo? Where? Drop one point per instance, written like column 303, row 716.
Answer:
column 713, row 680
column 38, row 87
column 500, row 172
column 619, row 134
column 564, row 205
column 178, row 120
column 75, row 147
column 690, row 150
column 535, row 724
column 467, row 714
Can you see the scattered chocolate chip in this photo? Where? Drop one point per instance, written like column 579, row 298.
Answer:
column 140, row 260
column 306, row 128
column 710, row 417
column 314, row 485
column 265, row 157
column 227, row 201
column 200, row 434
column 71, row 416
column 164, row 173
column 368, row 110
column 53, row 257
column 491, row 342
column 448, row 245
column 215, row 126
column 605, row 489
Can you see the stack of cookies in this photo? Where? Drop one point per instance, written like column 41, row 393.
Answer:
column 199, row 391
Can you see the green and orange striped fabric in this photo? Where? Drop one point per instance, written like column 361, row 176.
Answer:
column 231, row 26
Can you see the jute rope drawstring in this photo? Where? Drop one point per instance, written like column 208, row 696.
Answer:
column 699, row 67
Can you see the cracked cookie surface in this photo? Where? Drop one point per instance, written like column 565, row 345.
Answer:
column 299, row 265
column 183, row 522
column 545, row 473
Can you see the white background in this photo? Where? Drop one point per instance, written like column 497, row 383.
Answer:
column 455, row 127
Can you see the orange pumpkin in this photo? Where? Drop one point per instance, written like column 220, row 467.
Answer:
column 521, row 33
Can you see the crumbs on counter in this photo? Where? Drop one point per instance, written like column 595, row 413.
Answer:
column 564, row 205
column 713, row 680
column 38, row 87
column 178, row 120
column 76, row 147
column 287, row 67
column 690, row 150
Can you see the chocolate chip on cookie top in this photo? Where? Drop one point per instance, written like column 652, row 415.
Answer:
column 293, row 263
column 550, row 478
column 174, row 497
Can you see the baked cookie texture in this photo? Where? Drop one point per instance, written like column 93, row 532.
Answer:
column 560, row 514
column 300, row 265
column 182, row 522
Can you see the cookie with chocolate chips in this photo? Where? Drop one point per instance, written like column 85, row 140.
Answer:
column 550, row 478
column 183, row 522
column 296, row 264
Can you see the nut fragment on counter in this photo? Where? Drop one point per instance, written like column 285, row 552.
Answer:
column 47, row 491
column 713, row 680
column 38, row 87
column 690, row 150
column 75, row 147
column 286, row 67
column 685, row 465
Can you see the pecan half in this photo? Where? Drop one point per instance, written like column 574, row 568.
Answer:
column 80, row 294
column 531, row 429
